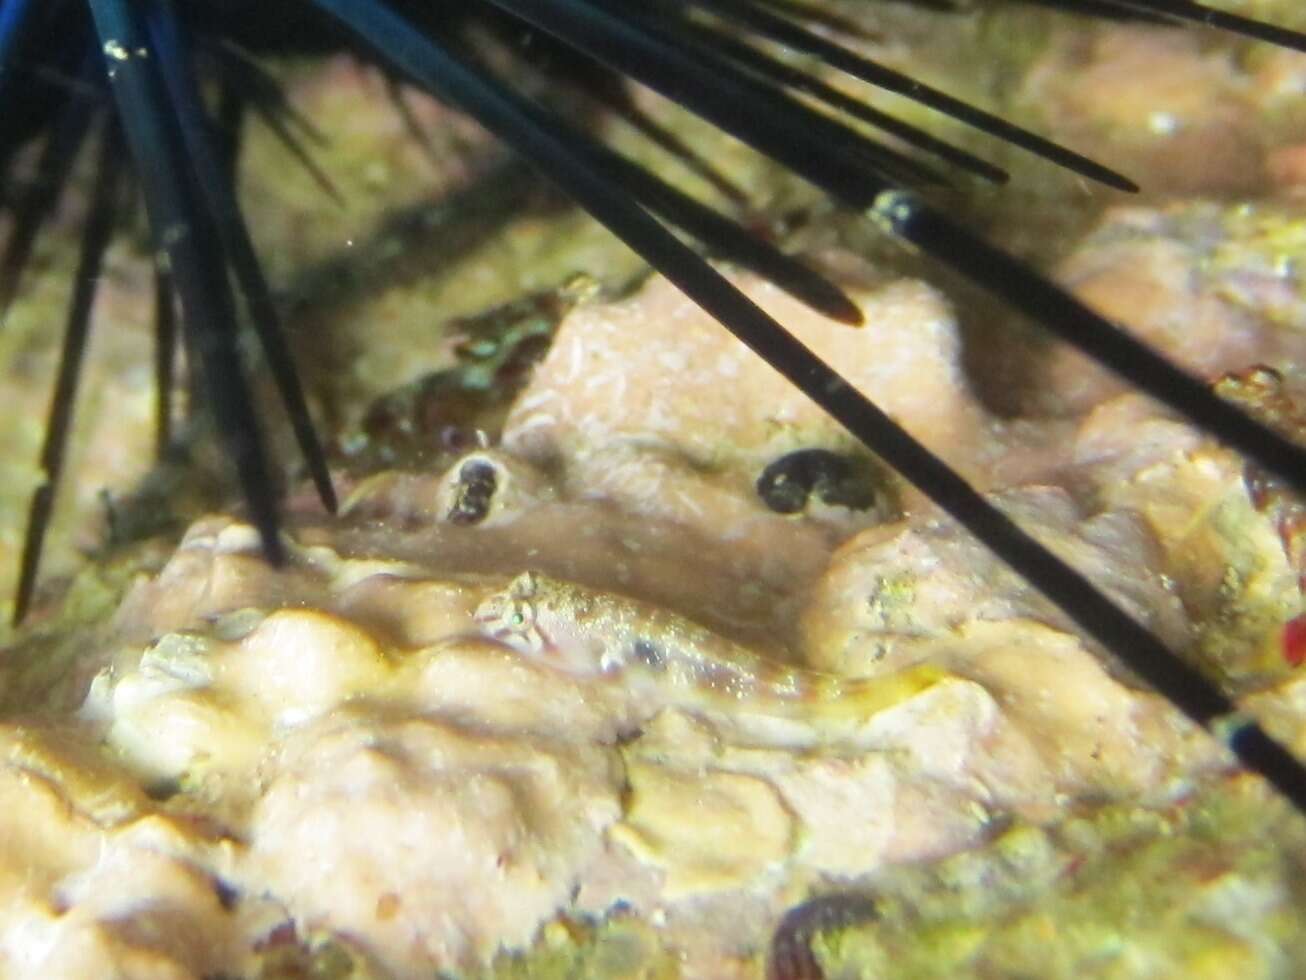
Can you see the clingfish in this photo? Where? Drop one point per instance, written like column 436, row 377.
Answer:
column 595, row 634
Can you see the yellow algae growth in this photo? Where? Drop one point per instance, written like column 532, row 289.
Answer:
column 708, row 831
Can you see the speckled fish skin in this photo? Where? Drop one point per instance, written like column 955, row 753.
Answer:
column 591, row 633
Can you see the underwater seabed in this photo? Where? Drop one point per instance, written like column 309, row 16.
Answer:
column 212, row 767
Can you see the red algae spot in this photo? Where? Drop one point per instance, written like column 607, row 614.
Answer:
column 387, row 906
column 1293, row 641
column 1287, row 166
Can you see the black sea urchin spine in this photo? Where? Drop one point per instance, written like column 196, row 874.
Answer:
column 105, row 204
column 186, row 235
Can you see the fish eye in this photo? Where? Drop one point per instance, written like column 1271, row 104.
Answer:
column 519, row 616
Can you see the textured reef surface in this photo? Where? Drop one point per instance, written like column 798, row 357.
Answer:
column 759, row 709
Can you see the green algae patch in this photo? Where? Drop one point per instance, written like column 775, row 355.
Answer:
column 1256, row 260
column 1201, row 889
column 947, row 947
column 622, row 948
column 40, row 664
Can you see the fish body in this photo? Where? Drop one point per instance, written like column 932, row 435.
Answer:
column 596, row 634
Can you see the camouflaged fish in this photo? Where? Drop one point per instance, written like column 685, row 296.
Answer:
column 590, row 633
